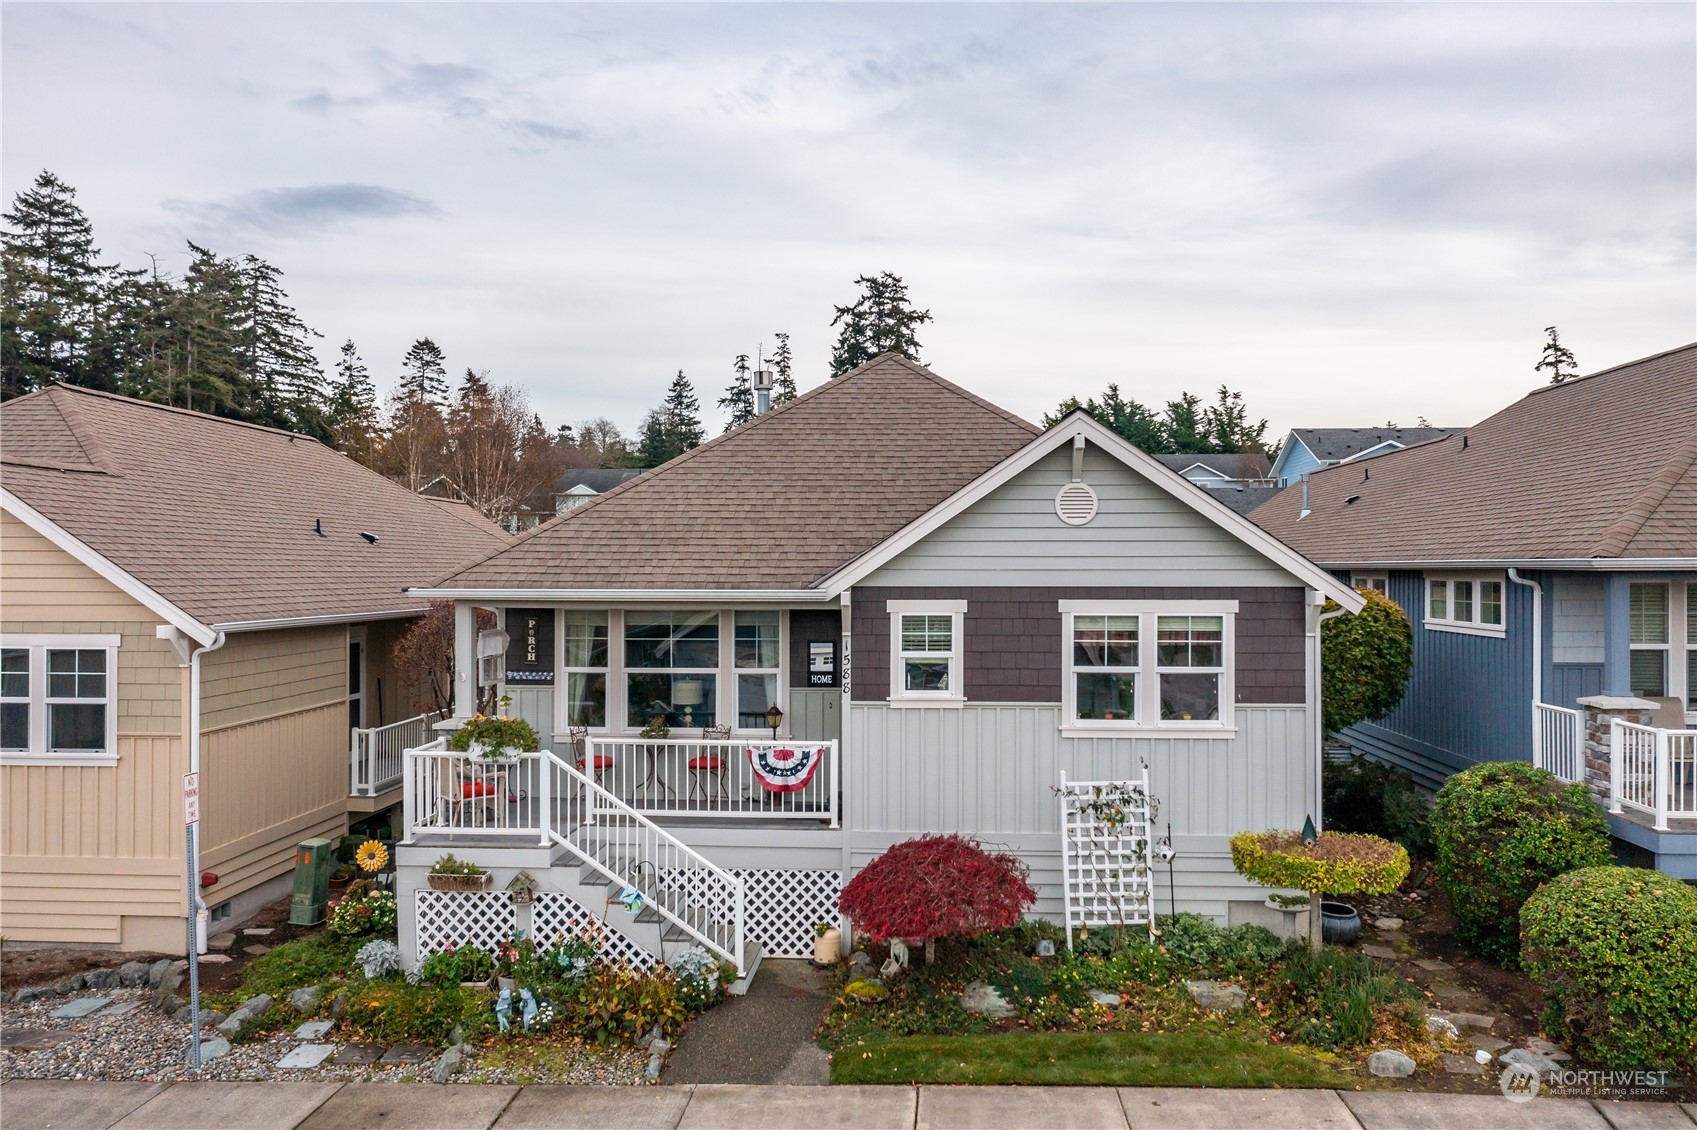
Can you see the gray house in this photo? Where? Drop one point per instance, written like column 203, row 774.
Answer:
column 1547, row 557
column 884, row 609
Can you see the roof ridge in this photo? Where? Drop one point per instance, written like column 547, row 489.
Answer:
column 950, row 386
column 1620, row 532
column 1572, row 381
column 82, row 390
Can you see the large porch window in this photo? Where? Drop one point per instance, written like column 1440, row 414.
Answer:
column 672, row 664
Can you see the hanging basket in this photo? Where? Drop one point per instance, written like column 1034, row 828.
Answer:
column 459, row 882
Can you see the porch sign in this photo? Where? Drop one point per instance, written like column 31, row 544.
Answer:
column 822, row 663
column 530, row 652
column 1107, row 853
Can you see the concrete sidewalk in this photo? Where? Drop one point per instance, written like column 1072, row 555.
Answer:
column 29, row 1104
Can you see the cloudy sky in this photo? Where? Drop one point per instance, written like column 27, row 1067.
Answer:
column 1353, row 213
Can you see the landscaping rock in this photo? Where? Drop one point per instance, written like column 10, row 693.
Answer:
column 5, row 997
column 70, row 984
column 448, row 1064
column 1461, row 1065
column 1541, row 1046
column 257, row 1006
column 306, row 1000
column 1432, row 964
column 212, row 1047
column 1387, row 924
column 1488, row 1043
column 220, row 941
column 1105, row 998
column 215, row 959
column 359, row 1055
column 403, row 1054
column 1477, row 1021
column 1389, row 1064
column 649, row 1037
column 157, row 971
column 1441, row 1026
column 171, row 1004
column 32, row 993
column 981, row 997
column 211, row 1018
column 1546, row 1067
column 1216, row 996
column 166, row 990
column 860, row 959
column 315, row 1030
column 101, row 979
column 456, row 1035
column 339, row 1004
column 80, row 1008
column 233, row 1024
column 132, row 973
column 259, row 931
column 183, row 1015
column 1383, row 953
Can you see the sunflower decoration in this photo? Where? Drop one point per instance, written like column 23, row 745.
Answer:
column 371, row 856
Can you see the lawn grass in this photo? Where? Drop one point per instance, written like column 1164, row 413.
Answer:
column 1165, row 1059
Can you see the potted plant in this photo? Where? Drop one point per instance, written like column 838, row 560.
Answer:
column 450, row 874
column 657, row 728
column 827, row 944
column 340, row 878
column 1336, row 862
column 494, row 737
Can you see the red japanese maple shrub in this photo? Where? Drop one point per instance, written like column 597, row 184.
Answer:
column 937, row 887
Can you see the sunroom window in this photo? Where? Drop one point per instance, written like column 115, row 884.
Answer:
column 672, row 663
column 757, row 657
column 585, row 667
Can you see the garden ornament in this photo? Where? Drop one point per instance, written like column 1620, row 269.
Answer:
column 504, row 1009
column 527, row 1006
column 631, row 899
column 1045, row 948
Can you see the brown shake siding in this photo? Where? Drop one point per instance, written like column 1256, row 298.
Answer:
column 1013, row 639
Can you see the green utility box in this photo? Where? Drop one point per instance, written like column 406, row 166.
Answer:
column 313, row 860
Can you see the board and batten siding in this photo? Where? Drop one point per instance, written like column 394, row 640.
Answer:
column 274, row 751
column 990, row 770
column 93, row 854
column 1141, row 535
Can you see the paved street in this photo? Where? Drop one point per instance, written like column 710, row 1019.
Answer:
column 29, row 1104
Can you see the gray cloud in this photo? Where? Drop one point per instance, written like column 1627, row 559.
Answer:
column 308, row 208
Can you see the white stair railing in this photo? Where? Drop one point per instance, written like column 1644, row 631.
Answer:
column 1558, row 740
column 1652, row 771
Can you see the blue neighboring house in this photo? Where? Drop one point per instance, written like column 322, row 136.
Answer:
column 1309, row 449
column 1545, row 556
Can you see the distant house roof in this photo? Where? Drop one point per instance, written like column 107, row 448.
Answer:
column 599, row 480
column 1603, row 466
column 840, row 469
column 1244, row 498
column 222, row 518
column 1245, row 465
column 1331, row 445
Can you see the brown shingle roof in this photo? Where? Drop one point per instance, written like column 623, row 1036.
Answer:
column 780, row 502
column 1603, row 466
column 218, row 516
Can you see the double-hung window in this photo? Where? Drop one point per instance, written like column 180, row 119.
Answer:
column 926, row 648
column 1648, row 623
column 1468, row 603
column 585, row 667
column 672, row 668
column 1370, row 582
column 1691, row 652
column 1148, row 664
column 57, row 697
column 757, row 651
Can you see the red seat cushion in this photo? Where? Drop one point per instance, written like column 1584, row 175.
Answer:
column 601, row 760
column 706, row 762
column 469, row 789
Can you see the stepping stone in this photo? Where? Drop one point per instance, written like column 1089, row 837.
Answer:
column 1475, row 1020
column 212, row 1047
column 78, row 1009
column 359, row 1054
column 119, row 1009
column 314, row 1029
column 259, row 931
column 1383, row 953
column 215, row 959
column 1387, row 924
column 402, row 1054
column 220, row 942
column 1433, row 965
column 256, row 950
column 307, row 1055
column 1461, row 1065
column 1488, row 1043
column 31, row 1039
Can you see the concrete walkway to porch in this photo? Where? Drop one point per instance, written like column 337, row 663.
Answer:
column 28, row 1104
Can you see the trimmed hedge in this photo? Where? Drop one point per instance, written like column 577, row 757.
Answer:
column 1501, row 829
column 1339, row 863
column 1365, row 659
column 1615, row 949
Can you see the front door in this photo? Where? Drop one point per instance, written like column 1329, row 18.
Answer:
column 356, row 679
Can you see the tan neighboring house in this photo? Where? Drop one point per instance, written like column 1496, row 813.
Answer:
column 169, row 580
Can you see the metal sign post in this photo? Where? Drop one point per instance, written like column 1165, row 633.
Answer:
column 191, row 828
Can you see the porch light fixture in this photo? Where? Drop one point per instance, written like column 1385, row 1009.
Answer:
column 774, row 719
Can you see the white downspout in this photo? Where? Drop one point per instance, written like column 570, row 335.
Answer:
column 194, row 767
column 1537, row 657
column 1318, row 698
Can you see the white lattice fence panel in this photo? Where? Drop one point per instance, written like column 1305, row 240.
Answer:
column 1107, row 864
column 781, row 906
column 554, row 913
column 463, row 918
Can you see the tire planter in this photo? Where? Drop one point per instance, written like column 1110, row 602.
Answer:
column 1340, row 923
column 459, row 882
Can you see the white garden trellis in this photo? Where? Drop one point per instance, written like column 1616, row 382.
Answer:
column 1107, row 853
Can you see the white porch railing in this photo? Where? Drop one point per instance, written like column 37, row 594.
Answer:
column 375, row 753
column 1558, row 740
column 1653, row 771
column 544, row 799
column 743, row 778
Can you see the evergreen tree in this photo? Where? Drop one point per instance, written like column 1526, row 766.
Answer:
column 1183, row 426
column 1187, row 427
column 424, row 373
column 207, row 316
column 739, row 396
column 414, row 452
column 783, row 378
column 1226, row 426
column 51, row 289
column 673, row 428
column 352, row 416
column 881, row 320
column 282, row 369
column 1557, row 358
column 1133, row 422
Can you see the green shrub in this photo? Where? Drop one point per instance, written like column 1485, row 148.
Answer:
column 616, row 1002
column 1330, row 999
column 1501, row 829
column 1365, row 659
column 1193, row 943
column 393, row 1011
column 1615, row 950
column 451, row 966
column 372, row 913
column 1376, row 799
column 297, row 964
column 1337, row 862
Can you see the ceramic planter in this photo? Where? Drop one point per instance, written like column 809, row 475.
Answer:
column 828, row 947
column 1340, row 924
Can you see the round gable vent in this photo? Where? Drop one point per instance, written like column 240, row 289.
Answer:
column 1076, row 504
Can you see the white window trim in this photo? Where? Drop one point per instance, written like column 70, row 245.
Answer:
column 1378, row 582
column 1149, row 721
column 563, row 673
column 956, row 611
column 1463, row 627
column 38, row 645
column 1687, row 593
column 721, row 663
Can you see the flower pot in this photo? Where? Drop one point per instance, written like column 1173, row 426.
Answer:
column 337, row 886
column 828, row 947
column 1340, row 924
column 508, row 983
column 458, row 882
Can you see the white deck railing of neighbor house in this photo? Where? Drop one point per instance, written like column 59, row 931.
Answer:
column 738, row 778
column 1558, row 740
column 540, row 798
column 1653, row 771
column 375, row 753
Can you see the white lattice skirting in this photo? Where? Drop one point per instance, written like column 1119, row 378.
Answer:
column 463, row 918
column 782, row 906
column 554, row 913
